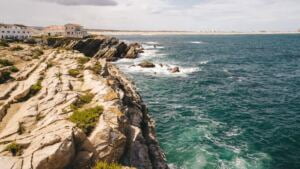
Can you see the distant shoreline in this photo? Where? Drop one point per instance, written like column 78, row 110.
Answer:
column 151, row 33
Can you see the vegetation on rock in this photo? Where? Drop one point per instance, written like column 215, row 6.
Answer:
column 111, row 95
column 4, row 44
column 49, row 64
column 74, row 72
column 34, row 89
column 105, row 165
column 96, row 68
column 16, row 48
column 86, row 119
column 5, row 62
column 83, row 60
column 36, row 53
column 4, row 76
column 83, row 99
column 14, row 148
column 14, row 69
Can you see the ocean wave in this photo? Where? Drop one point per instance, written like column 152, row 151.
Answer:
column 150, row 47
column 197, row 42
column 204, row 62
column 233, row 132
column 151, row 54
column 160, row 70
column 151, row 43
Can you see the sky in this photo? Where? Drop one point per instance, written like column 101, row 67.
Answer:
column 175, row 15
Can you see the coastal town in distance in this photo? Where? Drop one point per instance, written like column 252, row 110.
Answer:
column 20, row 31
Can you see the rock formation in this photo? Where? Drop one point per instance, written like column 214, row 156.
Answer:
column 174, row 69
column 37, row 104
column 146, row 64
column 99, row 47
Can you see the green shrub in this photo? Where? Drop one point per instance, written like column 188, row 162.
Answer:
column 14, row 69
column 4, row 76
column 87, row 98
column 97, row 68
column 36, row 53
column 4, row 44
column 86, row 119
column 105, row 165
column 6, row 62
column 83, row 99
column 34, row 89
column 14, row 148
column 83, row 60
column 50, row 64
column 16, row 48
column 74, row 72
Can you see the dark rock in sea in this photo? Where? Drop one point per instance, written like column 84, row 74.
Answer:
column 146, row 64
column 174, row 70
column 133, row 50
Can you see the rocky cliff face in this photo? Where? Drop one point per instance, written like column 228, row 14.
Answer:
column 99, row 47
column 38, row 128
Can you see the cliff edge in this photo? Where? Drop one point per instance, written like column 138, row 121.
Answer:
column 60, row 110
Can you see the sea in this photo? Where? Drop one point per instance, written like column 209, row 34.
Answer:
column 235, row 104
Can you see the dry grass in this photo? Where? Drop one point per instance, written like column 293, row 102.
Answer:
column 105, row 165
column 111, row 95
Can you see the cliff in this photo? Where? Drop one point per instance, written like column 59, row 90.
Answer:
column 62, row 110
column 109, row 48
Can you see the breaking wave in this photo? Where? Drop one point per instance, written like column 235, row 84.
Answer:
column 197, row 42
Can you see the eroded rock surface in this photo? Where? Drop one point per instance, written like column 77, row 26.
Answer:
column 37, row 121
column 99, row 47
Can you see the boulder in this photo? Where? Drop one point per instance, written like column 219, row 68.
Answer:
column 174, row 70
column 133, row 50
column 146, row 64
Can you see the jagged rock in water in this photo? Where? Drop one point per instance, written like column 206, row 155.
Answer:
column 146, row 64
column 174, row 70
column 133, row 50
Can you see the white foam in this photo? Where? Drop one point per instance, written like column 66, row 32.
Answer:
column 159, row 70
column 152, row 43
column 197, row 42
column 204, row 62
column 151, row 47
column 233, row 132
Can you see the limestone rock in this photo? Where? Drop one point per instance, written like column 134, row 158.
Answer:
column 146, row 64
column 38, row 120
column 99, row 47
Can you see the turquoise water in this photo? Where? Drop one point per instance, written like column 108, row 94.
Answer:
column 235, row 104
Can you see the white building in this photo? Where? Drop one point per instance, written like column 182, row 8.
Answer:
column 75, row 31
column 68, row 30
column 15, row 31
column 54, row 30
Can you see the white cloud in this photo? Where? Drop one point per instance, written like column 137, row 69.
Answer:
column 226, row 15
column 82, row 2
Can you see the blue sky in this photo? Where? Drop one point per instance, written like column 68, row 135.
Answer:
column 193, row 15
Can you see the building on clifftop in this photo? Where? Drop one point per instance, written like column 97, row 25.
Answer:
column 54, row 30
column 15, row 31
column 68, row 30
